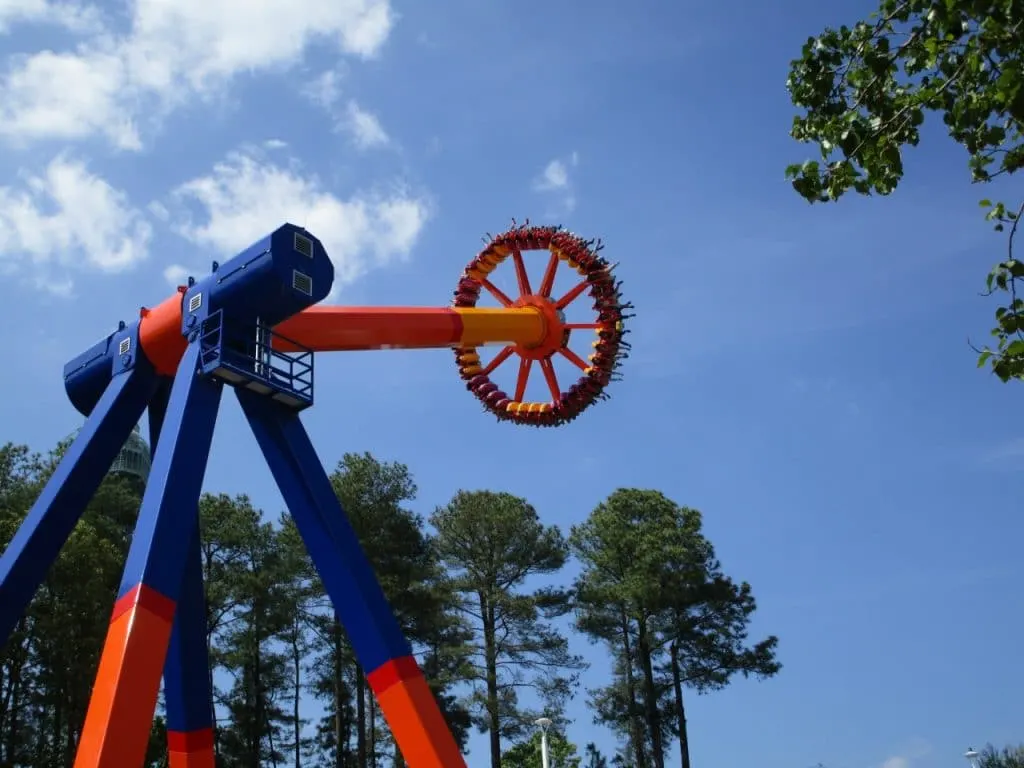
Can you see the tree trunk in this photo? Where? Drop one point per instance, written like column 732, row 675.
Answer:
column 636, row 735
column 340, row 729
column 271, row 749
column 491, row 670
column 677, row 683
column 14, row 715
column 56, row 726
column 650, row 694
column 297, row 682
column 360, row 718
column 10, row 715
column 259, row 727
column 213, row 707
column 373, row 729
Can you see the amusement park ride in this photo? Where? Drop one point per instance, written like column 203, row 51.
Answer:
column 252, row 325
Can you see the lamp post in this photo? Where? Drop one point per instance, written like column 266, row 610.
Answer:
column 972, row 757
column 543, row 723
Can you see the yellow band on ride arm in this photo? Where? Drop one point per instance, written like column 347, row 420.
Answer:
column 523, row 326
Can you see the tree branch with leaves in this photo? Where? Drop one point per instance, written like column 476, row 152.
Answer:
column 866, row 89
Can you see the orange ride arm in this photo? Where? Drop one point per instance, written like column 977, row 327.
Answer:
column 340, row 329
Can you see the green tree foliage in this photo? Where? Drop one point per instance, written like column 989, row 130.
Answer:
column 373, row 494
column 653, row 591
column 250, row 647
column 491, row 544
column 1007, row 757
column 594, row 757
column 473, row 595
column 526, row 754
column 48, row 666
column 865, row 90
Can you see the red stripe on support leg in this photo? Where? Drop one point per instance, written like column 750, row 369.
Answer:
column 421, row 733
column 144, row 597
column 190, row 749
column 120, row 716
column 391, row 673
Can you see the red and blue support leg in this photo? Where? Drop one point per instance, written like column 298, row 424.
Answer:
column 118, row 723
column 53, row 517
column 416, row 722
column 187, row 689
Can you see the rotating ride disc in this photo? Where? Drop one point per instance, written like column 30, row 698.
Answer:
column 607, row 345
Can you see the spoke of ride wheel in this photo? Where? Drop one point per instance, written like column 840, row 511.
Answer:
column 521, row 277
column 549, row 276
column 571, row 296
column 552, row 380
column 524, row 374
column 585, row 326
column 573, row 358
column 496, row 293
column 499, row 358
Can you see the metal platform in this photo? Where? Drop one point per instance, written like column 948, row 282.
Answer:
column 245, row 358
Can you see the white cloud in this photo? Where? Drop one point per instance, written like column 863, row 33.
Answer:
column 173, row 51
column 325, row 90
column 72, row 16
column 555, row 176
column 88, row 102
column 365, row 128
column 361, row 125
column 176, row 274
column 896, row 762
column 245, row 194
column 71, row 218
column 556, row 182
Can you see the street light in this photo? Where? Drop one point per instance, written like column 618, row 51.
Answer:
column 543, row 723
column 972, row 757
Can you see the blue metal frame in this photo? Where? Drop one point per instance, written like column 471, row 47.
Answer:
column 246, row 357
column 135, row 654
column 333, row 546
column 158, row 625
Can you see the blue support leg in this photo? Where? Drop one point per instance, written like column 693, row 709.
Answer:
column 405, row 699
column 117, row 726
column 53, row 517
column 187, row 689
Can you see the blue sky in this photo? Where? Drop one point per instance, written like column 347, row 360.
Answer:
column 801, row 375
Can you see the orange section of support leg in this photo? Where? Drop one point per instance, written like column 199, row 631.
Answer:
column 419, row 728
column 192, row 749
column 120, row 717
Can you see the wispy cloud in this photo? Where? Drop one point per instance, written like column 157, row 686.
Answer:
column 221, row 210
column 118, row 84
column 555, row 181
column 362, row 126
column 70, row 218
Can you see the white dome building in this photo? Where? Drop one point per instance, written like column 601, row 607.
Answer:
column 134, row 457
